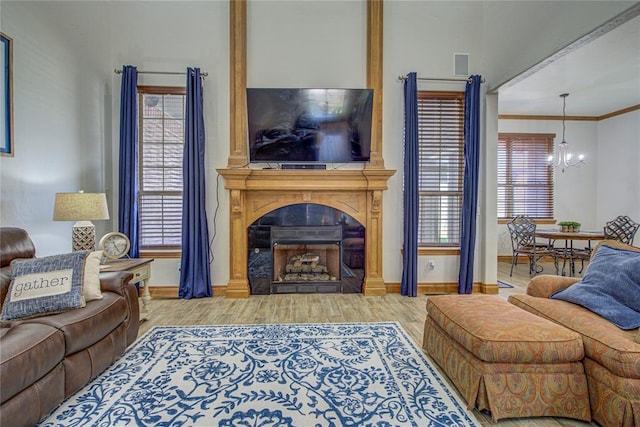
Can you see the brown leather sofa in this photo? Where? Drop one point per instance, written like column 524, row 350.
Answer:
column 45, row 359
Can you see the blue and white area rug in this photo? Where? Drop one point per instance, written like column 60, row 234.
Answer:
column 354, row 374
column 504, row 285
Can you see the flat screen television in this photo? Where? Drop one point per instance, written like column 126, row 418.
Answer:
column 309, row 125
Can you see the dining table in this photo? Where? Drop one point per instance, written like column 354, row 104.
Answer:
column 568, row 252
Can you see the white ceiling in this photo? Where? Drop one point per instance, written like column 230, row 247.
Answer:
column 601, row 76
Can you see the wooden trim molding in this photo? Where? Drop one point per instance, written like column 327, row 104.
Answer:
column 533, row 117
column 571, row 118
column 161, row 254
column 390, row 287
column 171, row 292
column 375, row 19
column 238, row 83
column 537, row 221
column 620, row 112
column 438, row 251
column 443, row 288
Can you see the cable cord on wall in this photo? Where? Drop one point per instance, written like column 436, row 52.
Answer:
column 215, row 217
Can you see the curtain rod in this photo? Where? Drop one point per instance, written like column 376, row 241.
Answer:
column 440, row 79
column 179, row 73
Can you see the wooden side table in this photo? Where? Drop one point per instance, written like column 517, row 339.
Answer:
column 141, row 270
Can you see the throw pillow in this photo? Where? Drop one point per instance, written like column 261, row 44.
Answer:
column 610, row 286
column 45, row 286
column 91, row 283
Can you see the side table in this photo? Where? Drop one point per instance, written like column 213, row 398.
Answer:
column 141, row 270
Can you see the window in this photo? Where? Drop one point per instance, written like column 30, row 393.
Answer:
column 525, row 180
column 160, row 146
column 441, row 166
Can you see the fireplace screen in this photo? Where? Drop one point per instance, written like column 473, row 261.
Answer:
column 306, row 259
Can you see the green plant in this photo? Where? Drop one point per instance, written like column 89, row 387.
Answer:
column 569, row 223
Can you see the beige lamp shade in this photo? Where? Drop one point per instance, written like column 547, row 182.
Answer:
column 83, row 208
column 80, row 207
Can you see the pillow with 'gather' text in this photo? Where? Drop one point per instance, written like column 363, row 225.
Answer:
column 45, row 285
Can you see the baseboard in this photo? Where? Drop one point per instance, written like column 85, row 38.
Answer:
column 172, row 291
column 391, row 287
column 443, row 288
column 521, row 258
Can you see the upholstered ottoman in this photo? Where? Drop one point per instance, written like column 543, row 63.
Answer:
column 506, row 360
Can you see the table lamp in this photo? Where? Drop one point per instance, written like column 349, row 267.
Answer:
column 83, row 208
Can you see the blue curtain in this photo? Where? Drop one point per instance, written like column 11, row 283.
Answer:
column 195, row 273
column 128, row 166
column 470, row 186
column 409, row 286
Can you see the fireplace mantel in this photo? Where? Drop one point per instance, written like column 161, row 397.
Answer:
column 255, row 192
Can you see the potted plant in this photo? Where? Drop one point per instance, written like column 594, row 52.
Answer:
column 569, row 225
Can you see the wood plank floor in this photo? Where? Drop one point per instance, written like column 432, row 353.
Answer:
column 330, row 308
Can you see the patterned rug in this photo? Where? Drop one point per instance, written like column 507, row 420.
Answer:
column 354, row 374
column 504, row 285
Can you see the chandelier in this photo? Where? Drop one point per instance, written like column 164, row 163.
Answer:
column 564, row 159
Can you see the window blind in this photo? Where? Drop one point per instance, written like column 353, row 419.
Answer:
column 525, row 180
column 440, row 163
column 161, row 142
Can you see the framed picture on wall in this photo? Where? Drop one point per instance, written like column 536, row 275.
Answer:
column 6, row 95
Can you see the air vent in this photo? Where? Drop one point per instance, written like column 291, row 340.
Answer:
column 461, row 64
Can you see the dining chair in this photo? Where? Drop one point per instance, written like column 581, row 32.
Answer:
column 522, row 230
column 622, row 228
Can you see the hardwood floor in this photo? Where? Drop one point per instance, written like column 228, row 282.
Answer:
column 330, row 308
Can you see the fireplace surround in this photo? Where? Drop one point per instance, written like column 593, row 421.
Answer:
column 255, row 192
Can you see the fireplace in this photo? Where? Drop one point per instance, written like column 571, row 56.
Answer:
column 254, row 193
column 294, row 249
column 306, row 259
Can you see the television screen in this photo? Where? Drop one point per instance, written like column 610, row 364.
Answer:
column 309, row 125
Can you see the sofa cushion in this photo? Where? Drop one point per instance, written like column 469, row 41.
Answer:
column 45, row 285
column 27, row 353
column 495, row 331
column 610, row 286
column 604, row 342
column 83, row 328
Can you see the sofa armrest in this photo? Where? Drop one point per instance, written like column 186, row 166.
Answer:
column 116, row 281
column 120, row 283
column 545, row 285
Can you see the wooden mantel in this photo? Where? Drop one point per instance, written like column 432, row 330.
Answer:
column 255, row 192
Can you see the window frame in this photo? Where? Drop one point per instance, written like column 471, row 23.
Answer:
column 546, row 142
column 162, row 251
column 439, row 248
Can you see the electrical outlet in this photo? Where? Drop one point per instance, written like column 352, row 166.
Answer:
column 432, row 264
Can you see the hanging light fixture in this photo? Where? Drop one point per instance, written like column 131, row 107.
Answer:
column 563, row 159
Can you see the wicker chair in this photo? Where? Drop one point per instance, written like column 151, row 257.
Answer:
column 622, row 229
column 523, row 242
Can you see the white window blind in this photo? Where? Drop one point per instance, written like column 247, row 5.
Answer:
column 441, row 165
column 161, row 142
column 525, row 180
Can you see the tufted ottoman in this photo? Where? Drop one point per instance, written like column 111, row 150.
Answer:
column 506, row 360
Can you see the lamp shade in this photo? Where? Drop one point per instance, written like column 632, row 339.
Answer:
column 80, row 207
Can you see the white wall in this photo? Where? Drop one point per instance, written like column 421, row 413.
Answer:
column 519, row 34
column 60, row 125
column 67, row 97
column 618, row 184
